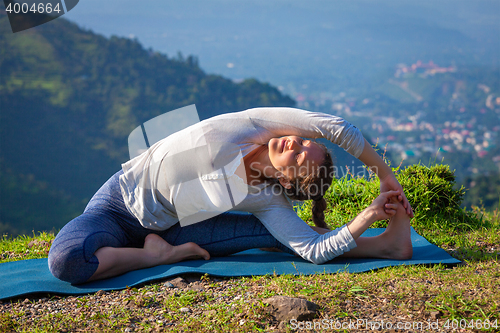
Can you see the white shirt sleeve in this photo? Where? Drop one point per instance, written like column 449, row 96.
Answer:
column 283, row 223
column 284, row 121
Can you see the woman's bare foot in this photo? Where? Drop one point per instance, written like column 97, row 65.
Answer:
column 114, row 261
column 164, row 253
column 398, row 236
column 393, row 243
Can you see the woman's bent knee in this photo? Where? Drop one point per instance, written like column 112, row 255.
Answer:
column 69, row 264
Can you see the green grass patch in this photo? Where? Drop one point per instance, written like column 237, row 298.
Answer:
column 25, row 247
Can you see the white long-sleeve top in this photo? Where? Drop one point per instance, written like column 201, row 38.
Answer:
column 159, row 181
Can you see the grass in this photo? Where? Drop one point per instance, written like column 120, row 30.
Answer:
column 25, row 247
column 419, row 294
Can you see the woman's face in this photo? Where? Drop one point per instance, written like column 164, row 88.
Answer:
column 294, row 156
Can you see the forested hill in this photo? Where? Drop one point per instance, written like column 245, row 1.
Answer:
column 68, row 101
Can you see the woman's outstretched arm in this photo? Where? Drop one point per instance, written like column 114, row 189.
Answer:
column 387, row 178
column 393, row 243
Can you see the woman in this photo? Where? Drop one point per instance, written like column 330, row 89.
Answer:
column 132, row 222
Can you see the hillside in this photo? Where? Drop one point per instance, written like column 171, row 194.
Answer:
column 68, row 100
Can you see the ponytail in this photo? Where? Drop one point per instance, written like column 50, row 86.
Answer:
column 318, row 215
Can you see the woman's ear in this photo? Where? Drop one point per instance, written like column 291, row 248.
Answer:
column 285, row 182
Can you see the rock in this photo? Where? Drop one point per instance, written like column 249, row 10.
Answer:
column 179, row 282
column 185, row 310
column 169, row 285
column 286, row 308
column 436, row 315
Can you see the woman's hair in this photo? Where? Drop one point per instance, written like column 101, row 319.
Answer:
column 313, row 187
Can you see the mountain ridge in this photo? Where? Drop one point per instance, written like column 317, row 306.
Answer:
column 68, row 100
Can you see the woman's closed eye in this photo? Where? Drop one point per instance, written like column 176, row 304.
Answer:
column 300, row 155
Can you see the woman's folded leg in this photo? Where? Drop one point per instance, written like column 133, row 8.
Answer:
column 93, row 246
column 225, row 234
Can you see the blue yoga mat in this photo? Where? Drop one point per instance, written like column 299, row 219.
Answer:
column 25, row 277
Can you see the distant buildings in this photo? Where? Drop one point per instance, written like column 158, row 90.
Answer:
column 421, row 68
column 470, row 127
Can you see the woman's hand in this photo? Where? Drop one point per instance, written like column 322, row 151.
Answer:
column 383, row 207
column 389, row 183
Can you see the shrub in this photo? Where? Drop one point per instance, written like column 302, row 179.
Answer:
column 430, row 190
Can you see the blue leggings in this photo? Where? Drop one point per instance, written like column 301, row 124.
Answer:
column 107, row 222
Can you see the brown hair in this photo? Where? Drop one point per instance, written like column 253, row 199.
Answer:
column 313, row 187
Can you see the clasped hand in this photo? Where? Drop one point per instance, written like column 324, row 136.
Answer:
column 390, row 183
column 385, row 205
